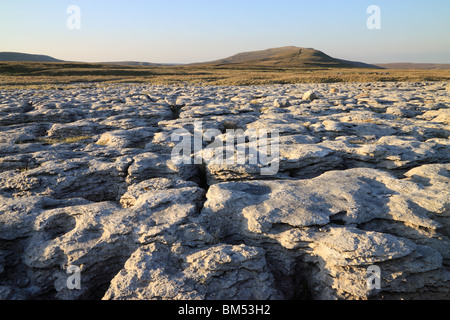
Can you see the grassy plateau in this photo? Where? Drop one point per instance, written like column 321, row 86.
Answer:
column 52, row 74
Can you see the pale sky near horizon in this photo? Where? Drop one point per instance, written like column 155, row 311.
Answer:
column 184, row 31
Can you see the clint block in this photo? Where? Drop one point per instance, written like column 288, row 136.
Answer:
column 234, row 147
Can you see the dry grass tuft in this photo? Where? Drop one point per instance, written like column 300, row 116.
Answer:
column 68, row 140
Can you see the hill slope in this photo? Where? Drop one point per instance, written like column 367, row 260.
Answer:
column 16, row 56
column 288, row 57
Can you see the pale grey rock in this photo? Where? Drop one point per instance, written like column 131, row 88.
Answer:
column 222, row 272
column 281, row 103
column 343, row 246
column 284, row 211
column 156, row 184
column 64, row 179
column 421, row 271
column 372, row 128
column 298, row 157
column 441, row 115
column 75, row 129
column 335, row 126
column 219, row 172
column 210, row 110
column 126, row 138
column 121, row 122
column 12, row 293
column 18, row 216
column 390, row 152
column 51, row 116
column 402, row 112
column 353, row 196
column 283, row 124
column 83, row 236
column 19, row 162
column 156, row 211
column 233, row 122
column 307, row 160
column 50, row 235
column 310, row 95
column 188, row 124
column 22, row 133
column 153, row 165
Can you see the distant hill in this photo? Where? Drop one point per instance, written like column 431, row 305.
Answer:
column 25, row 57
column 283, row 57
column 418, row 66
column 136, row 63
column 16, row 56
column 288, row 57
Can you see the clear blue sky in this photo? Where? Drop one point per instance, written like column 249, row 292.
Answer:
column 181, row 31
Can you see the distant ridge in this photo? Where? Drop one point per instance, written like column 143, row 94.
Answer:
column 283, row 57
column 288, row 57
column 25, row 57
column 418, row 66
column 17, row 56
column 137, row 63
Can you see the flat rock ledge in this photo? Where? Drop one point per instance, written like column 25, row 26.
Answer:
column 87, row 181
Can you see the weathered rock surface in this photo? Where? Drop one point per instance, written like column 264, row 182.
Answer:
column 88, row 179
column 221, row 272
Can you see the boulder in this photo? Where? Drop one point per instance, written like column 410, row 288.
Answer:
column 310, row 95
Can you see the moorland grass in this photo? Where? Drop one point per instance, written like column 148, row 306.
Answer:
column 50, row 75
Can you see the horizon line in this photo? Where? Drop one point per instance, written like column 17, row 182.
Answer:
column 199, row 62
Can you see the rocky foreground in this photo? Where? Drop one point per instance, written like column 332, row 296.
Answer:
column 87, row 180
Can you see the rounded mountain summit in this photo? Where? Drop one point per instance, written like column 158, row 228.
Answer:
column 290, row 56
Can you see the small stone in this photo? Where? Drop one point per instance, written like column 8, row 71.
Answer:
column 281, row 103
column 310, row 95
